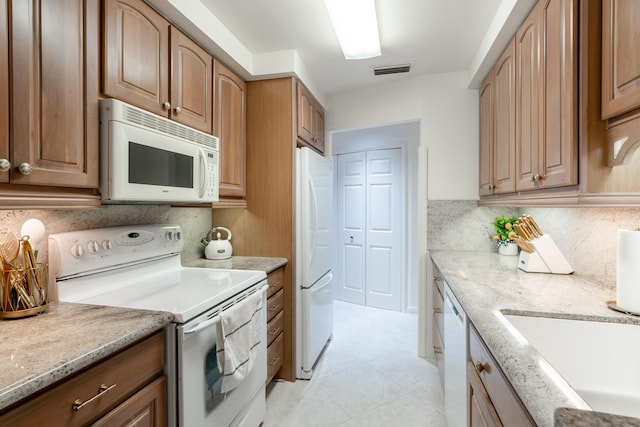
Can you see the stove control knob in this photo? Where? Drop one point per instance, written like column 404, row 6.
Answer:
column 93, row 246
column 76, row 250
column 169, row 235
column 106, row 245
column 178, row 235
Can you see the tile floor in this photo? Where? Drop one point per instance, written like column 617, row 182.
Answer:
column 368, row 375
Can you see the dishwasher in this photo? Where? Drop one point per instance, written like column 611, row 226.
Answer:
column 455, row 360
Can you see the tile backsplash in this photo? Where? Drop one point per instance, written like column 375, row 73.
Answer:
column 586, row 236
column 195, row 222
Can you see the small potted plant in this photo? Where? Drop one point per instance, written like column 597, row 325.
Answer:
column 504, row 227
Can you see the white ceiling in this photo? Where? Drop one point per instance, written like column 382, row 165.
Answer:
column 434, row 36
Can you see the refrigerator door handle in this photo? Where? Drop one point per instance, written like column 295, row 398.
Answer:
column 314, row 210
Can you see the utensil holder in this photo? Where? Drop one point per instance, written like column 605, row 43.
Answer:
column 24, row 291
column 546, row 258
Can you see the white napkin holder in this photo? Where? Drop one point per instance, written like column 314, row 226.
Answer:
column 546, row 258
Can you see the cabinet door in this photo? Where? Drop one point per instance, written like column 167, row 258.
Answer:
column 527, row 87
column 145, row 408
column 54, row 71
column 4, row 91
column 558, row 164
column 504, row 157
column 318, row 127
column 305, row 114
column 136, row 55
column 620, row 57
column 191, row 83
column 481, row 410
column 486, row 136
column 229, row 126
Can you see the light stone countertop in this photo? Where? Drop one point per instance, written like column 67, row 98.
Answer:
column 266, row 264
column 38, row 351
column 487, row 285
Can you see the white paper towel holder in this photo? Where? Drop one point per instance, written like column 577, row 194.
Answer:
column 614, row 306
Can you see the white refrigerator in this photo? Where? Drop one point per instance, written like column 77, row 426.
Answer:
column 315, row 257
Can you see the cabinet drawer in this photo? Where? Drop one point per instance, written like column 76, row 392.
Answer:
column 438, row 349
column 275, row 279
column 275, row 304
column 147, row 407
column 275, row 352
column 505, row 400
column 438, row 309
column 126, row 372
column 275, row 327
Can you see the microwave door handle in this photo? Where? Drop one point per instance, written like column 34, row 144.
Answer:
column 204, row 174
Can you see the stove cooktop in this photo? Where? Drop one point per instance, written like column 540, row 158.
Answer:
column 159, row 284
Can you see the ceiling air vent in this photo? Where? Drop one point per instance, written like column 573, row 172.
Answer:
column 393, row 69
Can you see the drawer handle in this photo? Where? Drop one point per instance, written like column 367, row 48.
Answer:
column 275, row 308
column 274, row 361
column 437, row 349
column 275, row 331
column 437, row 310
column 480, row 367
column 79, row 404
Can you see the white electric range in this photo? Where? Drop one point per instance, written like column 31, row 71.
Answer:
column 139, row 267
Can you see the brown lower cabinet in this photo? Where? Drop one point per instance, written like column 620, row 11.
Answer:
column 275, row 322
column 492, row 400
column 126, row 389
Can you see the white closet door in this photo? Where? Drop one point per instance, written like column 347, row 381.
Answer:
column 351, row 227
column 371, row 228
column 385, row 230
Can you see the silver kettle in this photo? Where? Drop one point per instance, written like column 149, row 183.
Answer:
column 217, row 248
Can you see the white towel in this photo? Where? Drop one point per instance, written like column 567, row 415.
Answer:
column 238, row 340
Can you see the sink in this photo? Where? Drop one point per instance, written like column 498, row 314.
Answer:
column 600, row 361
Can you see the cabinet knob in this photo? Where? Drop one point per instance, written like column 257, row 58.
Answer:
column 490, row 187
column 25, row 168
column 437, row 349
column 177, row 110
column 166, row 105
column 479, row 366
column 5, row 165
column 437, row 310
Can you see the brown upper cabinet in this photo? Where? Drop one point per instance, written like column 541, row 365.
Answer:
column 547, row 102
column 53, row 125
column 620, row 57
column 497, row 127
column 5, row 165
column 533, row 117
column 230, row 126
column 486, row 135
column 151, row 64
column 621, row 81
column 310, row 120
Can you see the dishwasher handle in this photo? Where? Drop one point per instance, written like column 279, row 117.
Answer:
column 455, row 306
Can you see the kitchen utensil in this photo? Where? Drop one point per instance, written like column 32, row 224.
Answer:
column 31, row 271
column 34, row 228
column 217, row 248
column 9, row 248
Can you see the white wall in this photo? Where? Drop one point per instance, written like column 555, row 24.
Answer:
column 448, row 113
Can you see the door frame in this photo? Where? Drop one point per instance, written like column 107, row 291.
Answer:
column 405, row 136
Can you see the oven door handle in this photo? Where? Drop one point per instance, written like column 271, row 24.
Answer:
column 203, row 325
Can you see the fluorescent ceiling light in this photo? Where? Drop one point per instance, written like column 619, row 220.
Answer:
column 356, row 25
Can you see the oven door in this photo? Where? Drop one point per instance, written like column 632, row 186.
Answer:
column 200, row 401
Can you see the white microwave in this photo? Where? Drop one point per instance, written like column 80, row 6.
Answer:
column 146, row 158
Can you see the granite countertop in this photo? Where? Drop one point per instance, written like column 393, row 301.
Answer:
column 266, row 264
column 41, row 350
column 487, row 285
